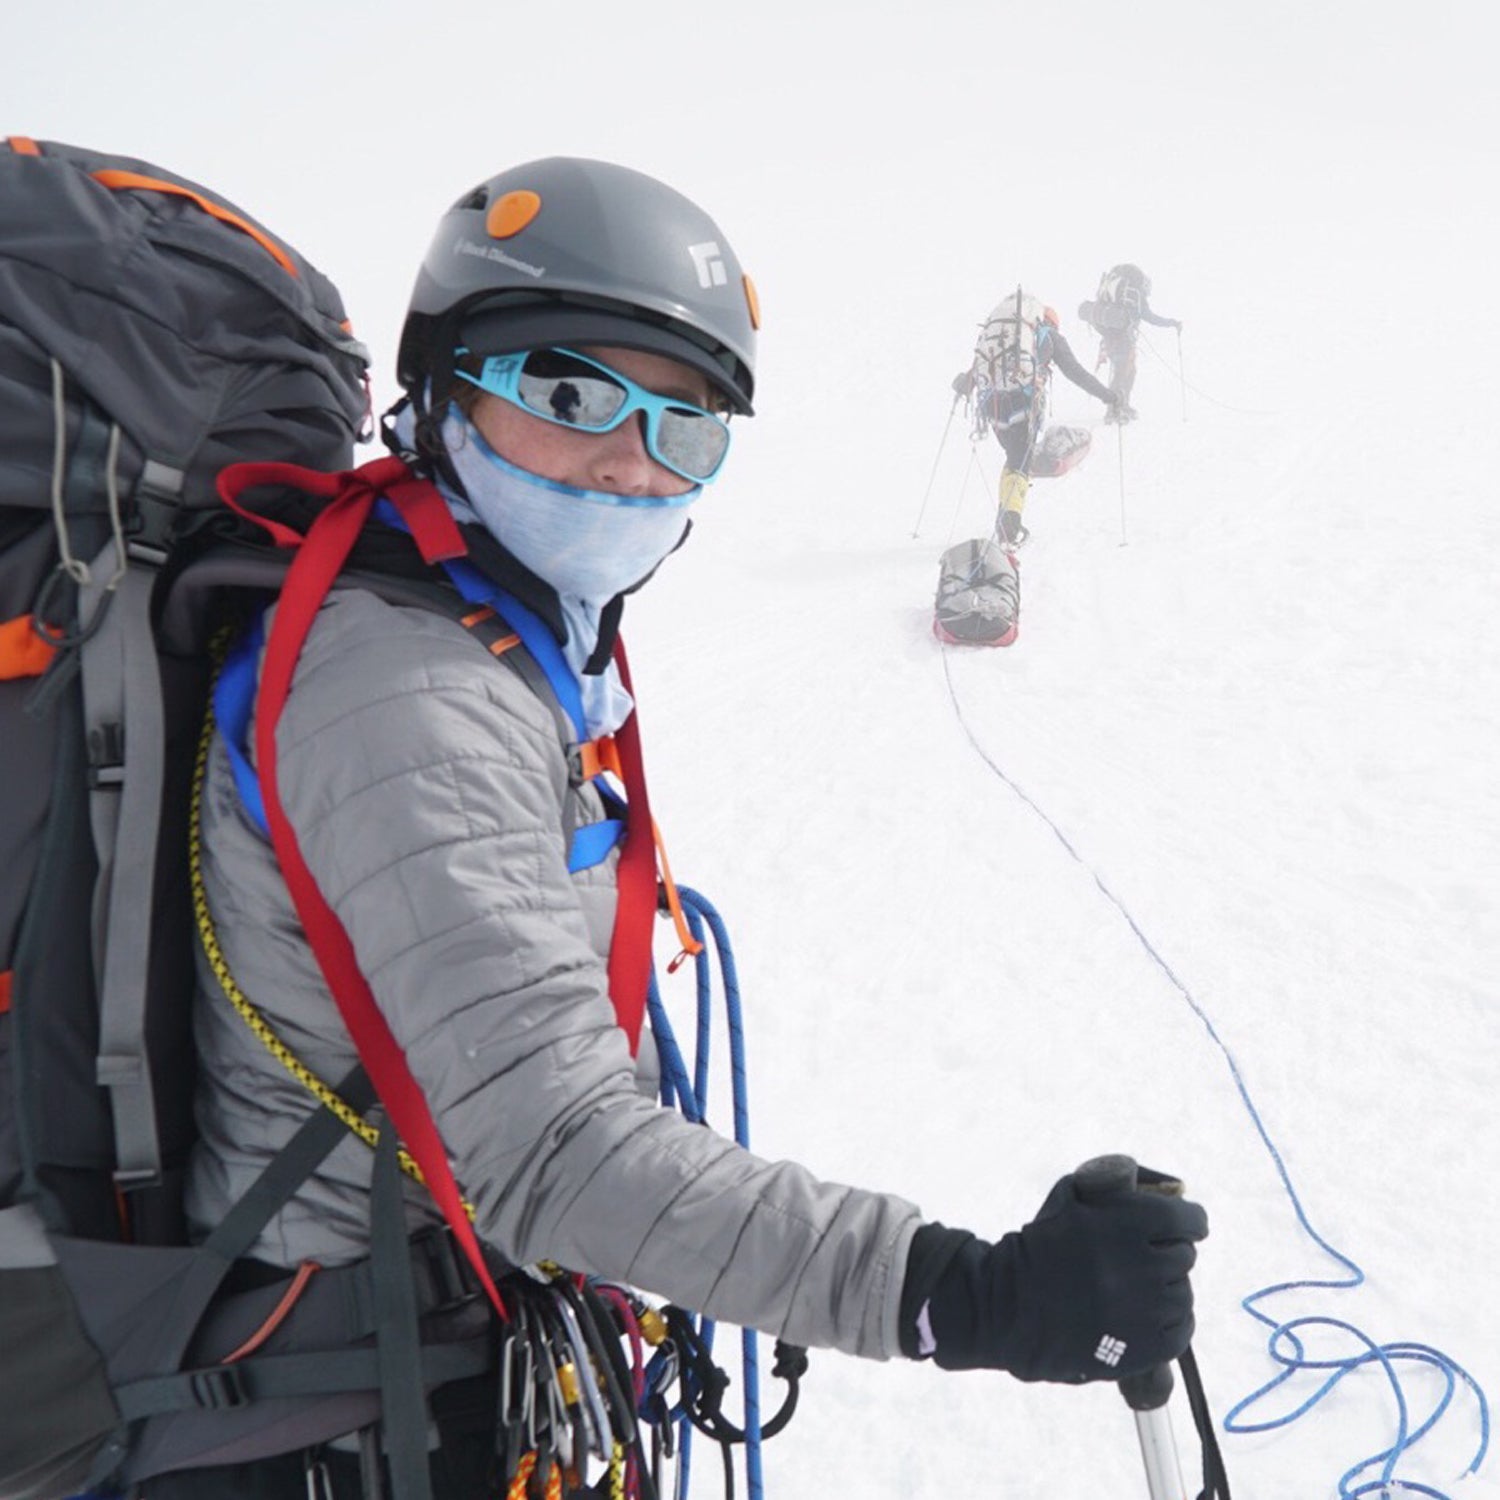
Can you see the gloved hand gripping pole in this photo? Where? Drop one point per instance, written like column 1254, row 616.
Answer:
column 1145, row 1394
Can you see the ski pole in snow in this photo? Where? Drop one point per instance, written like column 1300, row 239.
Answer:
column 1145, row 1394
column 1181, row 373
column 1120, row 436
column 922, row 511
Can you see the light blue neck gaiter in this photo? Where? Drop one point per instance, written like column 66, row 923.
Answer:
column 588, row 545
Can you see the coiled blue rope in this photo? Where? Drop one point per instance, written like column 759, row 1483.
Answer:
column 689, row 1094
column 1285, row 1345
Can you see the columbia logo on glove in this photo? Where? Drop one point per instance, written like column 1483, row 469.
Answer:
column 1110, row 1248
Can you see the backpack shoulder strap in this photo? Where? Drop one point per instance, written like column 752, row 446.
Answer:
column 318, row 563
column 124, row 708
column 235, row 690
column 588, row 844
column 320, row 556
column 502, row 623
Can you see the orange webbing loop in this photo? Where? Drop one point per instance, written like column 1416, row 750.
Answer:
column 604, row 755
column 482, row 616
column 23, row 653
column 691, row 947
column 23, row 145
column 134, row 181
column 278, row 1314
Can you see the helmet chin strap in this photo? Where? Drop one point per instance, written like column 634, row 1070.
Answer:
column 609, row 618
column 429, row 400
column 425, row 452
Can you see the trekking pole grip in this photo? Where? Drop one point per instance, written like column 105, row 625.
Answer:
column 1100, row 1177
column 1145, row 1394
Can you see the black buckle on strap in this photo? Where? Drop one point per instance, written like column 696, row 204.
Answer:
column 106, row 749
column 449, row 1277
column 221, row 1388
column 157, row 505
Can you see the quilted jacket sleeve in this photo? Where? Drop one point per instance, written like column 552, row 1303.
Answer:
column 425, row 786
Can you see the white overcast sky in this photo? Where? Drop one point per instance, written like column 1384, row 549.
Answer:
column 884, row 170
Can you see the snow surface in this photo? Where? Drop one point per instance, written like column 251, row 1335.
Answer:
column 1253, row 747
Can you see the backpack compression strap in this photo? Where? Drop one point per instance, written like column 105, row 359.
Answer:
column 320, row 556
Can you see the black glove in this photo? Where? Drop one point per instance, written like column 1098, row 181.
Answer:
column 963, row 382
column 1089, row 1290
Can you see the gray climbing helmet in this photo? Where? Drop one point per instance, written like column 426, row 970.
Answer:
column 569, row 251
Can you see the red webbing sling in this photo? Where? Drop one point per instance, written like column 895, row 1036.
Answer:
column 320, row 556
column 635, row 880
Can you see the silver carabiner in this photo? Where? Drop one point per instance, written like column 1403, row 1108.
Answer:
column 588, row 1384
column 315, row 1473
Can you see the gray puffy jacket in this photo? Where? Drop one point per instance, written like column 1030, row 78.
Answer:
column 427, row 785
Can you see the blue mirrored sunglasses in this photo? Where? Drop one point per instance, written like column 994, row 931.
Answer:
column 572, row 390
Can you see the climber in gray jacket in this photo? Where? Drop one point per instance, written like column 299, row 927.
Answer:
column 578, row 339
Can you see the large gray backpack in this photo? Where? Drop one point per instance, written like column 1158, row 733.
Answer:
column 150, row 334
column 978, row 600
column 1009, row 353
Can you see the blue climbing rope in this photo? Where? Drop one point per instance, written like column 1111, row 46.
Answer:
column 689, row 1094
column 1284, row 1344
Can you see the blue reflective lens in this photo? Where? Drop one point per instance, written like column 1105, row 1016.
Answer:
column 573, row 390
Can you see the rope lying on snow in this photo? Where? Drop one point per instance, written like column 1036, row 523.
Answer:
column 1285, row 1344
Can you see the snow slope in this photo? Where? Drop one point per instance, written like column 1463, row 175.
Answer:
column 1265, row 726
column 1237, row 772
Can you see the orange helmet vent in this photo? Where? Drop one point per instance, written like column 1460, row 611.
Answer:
column 752, row 301
column 512, row 213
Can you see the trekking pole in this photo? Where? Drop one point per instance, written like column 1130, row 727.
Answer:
column 942, row 441
column 1145, row 1394
column 963, row 490
column 1120, row 435
column 1181, row 373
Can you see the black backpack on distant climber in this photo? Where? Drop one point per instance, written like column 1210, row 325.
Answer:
column 1123, row 290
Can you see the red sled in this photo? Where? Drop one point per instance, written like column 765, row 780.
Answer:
column 1059, row 449
column 948, row 639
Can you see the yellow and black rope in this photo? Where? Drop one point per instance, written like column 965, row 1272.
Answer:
column 208, row 935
